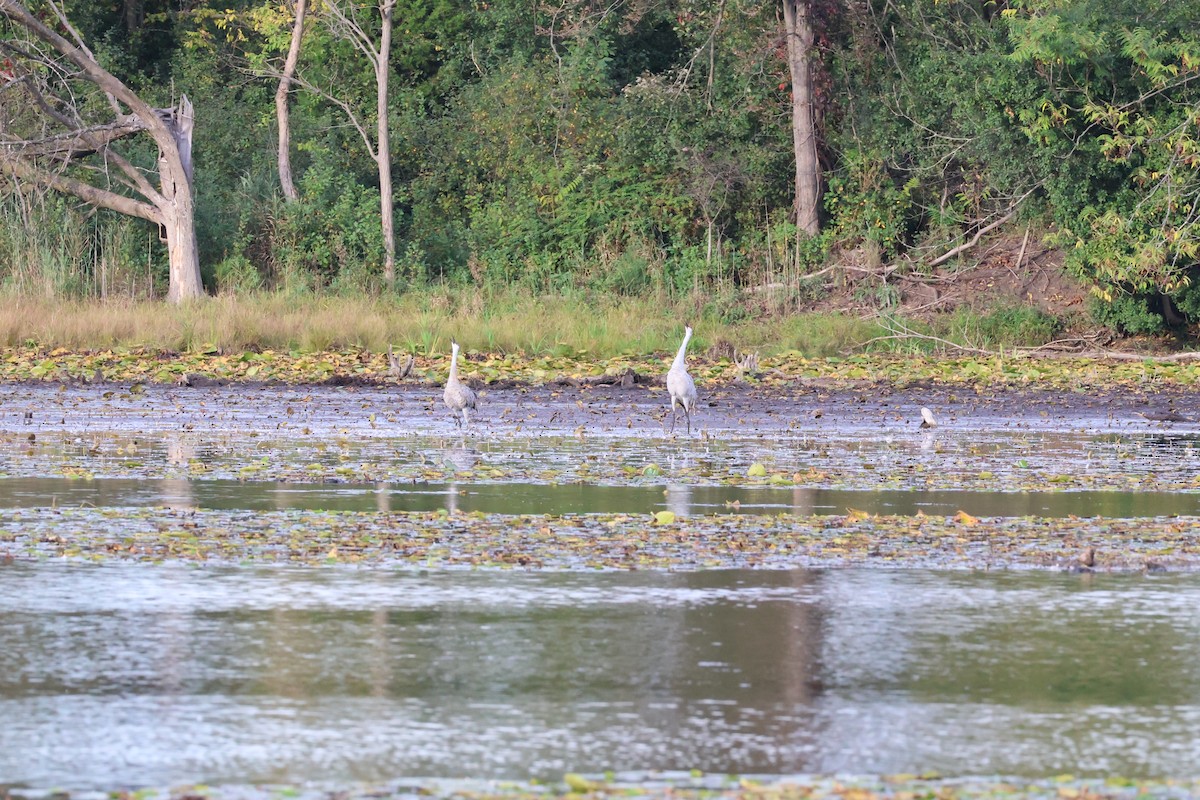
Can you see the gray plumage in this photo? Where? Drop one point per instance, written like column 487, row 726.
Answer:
column 680, row 385
column 458, row 396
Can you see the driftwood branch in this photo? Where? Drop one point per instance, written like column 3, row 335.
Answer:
column 1116, row 355
column 979, row 234
column 1048, row 350
column 627, row 379
column 397, row 370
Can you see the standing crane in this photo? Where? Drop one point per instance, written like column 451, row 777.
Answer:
column 680, row 385
column 458, row 396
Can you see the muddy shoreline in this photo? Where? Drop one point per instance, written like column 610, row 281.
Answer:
column 805, row 434
column 735, row 409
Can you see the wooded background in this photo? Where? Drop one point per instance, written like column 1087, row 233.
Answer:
column 626, row 147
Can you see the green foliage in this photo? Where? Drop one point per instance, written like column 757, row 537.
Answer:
column 1125, row 96
column 54, row 249
column 870, row 204
column 1003, row 326
column 645, row 150
column 236, row 274
column 1127, row 313
column 331, row 235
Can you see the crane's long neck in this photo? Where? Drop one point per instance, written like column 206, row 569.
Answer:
column 681, row 356
column 453, row 363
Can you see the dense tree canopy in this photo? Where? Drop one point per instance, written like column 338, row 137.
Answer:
column 646, row 145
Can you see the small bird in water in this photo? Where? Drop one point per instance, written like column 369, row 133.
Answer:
column 680, row 385
column 458, row 396
column 927, row 419
column 1170, row 415
column 1084, row 562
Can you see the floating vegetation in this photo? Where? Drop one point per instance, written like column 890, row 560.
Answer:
column 442, row 540
column 693, row 786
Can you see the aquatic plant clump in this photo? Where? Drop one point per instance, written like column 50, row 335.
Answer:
column 599, row 541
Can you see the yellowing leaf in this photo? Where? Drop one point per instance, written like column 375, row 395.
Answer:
column 664, row 517
column 963, row 518
column 756, row 470
column 577, row 783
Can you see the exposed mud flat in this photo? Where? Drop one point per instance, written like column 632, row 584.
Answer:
column 806, row 436
column 178, row 488
column 808, row 407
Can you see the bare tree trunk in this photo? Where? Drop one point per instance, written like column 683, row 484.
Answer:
column 797, row 15
column 383, row 150
column 134, row 14
column 179, row 208
column 339, row 17
column 281, row 104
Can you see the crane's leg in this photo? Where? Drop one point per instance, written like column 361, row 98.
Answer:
column 466, row 420
column 688, row 417
column 672, row 416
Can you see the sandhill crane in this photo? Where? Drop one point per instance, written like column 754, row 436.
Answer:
column 396, row 369
column 458, row 396
column 680, row 385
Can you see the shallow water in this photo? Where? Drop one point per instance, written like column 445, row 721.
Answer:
column 367, row 436
column 118, row 676
column 579, row 498
column 844, row 460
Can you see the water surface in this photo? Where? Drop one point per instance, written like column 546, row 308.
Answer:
column 115, row 676
column 579, row 498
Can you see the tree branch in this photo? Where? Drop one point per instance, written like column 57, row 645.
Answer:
column 105, row 80
column 84, row 191
column 75, row 143
column 979, row 234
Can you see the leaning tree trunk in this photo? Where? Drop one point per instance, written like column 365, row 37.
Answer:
column 281, row 104
column 797, row 15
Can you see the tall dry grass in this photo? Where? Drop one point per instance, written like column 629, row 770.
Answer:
column 420, row 322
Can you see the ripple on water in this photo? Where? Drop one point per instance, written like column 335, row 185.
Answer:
column 122, row 676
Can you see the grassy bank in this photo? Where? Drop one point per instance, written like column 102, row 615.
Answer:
column 424, row 323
